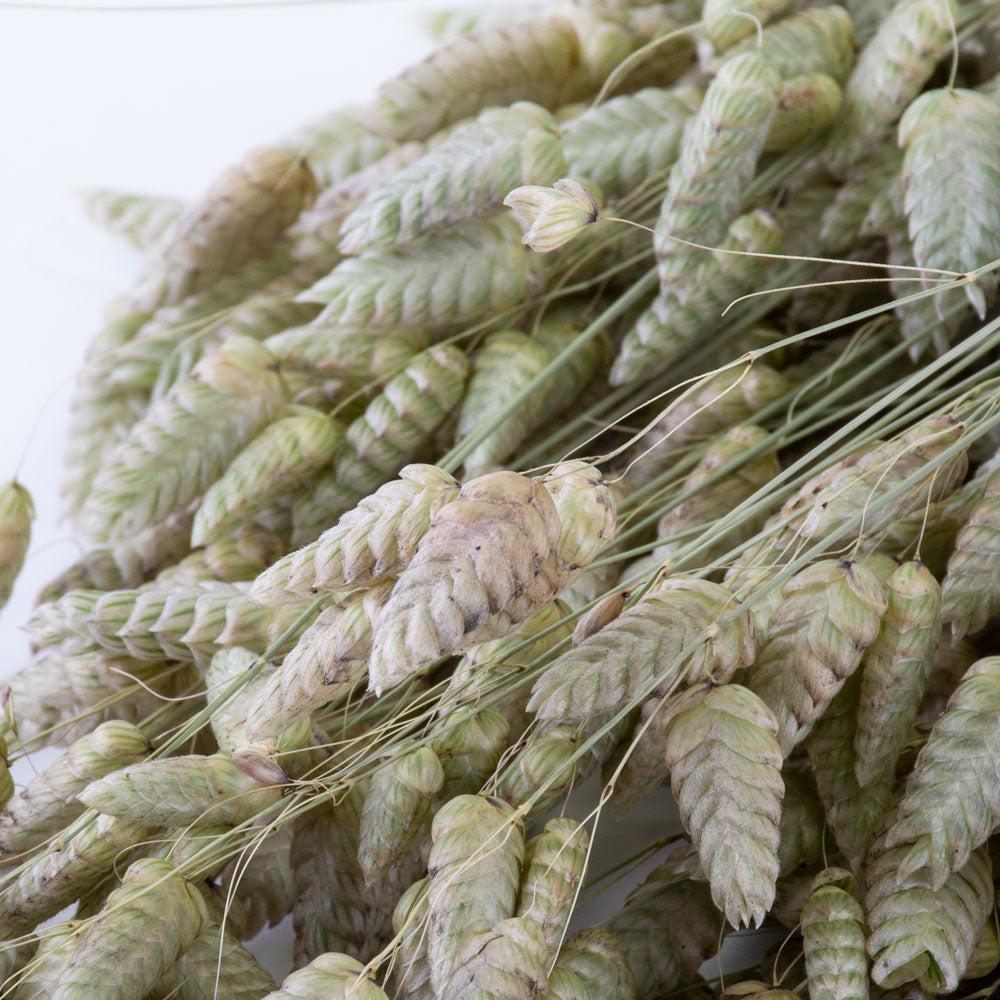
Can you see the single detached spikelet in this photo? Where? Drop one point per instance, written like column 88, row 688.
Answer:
column 482, row 551
column 889, row 73
column 726, row 21
column 833, row 938
column 141, row 219
column 952, row 801
column 192, row 790
column 398, row 800
column 16, row 514
column 665, row 331
column 284, row 456
column 466, row 175
column 49, row 802
column 439, row 281
column 186, row 440
column 642, row 649
column 718, row 156
column 895, row 669
column 596, row 958
column 400, row 421
column 239, row 218
column 829, row 615
column 669, row 925
column 725, row 772
column 971, row 585
column 474, row 872
column 553, row 216
column 808, row 103
column 330, row 976
column 921, row 934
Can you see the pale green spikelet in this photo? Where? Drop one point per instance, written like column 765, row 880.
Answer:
column 833, row 937
column 6, row 781
column 802, row 823
column 141, row 219
column 894, row 671
column 330, row 976
column 412, row 973
column 828, row 616
column 598, row 960
column 808, row 103
column 889, row 73
column 728, row 21
column 49, row 801
column 921, row 934
column 620, row 143
column 240, row 217
column 467, row 175
column 41, row 976
column 314, row 510
column 179, row 791
column 669, row 925
column 642, row 646
column 474, row 872
column 986, row 957
column 16, row 514
column 754, row 989
column 853, row 211
column 543, row 771
column 952, row 801
column 439, row 281
column 186, row 440
column 468, row 742
column 284, row 456
column 665, row 331
column 400, row 421
column 236, row 559
column 397, row 801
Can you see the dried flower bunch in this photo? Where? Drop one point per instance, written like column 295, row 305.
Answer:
column 608, row 411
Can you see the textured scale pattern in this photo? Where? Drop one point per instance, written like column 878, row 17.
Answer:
column 330, row 976
column 141, row 219
column 16, row 514
column 728, row 21
column 833, row 938
column 596, row 959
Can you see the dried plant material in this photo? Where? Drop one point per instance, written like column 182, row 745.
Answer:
column 643, row 647
column 669, row 925
column 552, row 216
column 49, row 801
column 377, row 538
column 543, row 771
column 399, row 422
column 283, row 457
column 952, row 800
column 833, row 938
column 329, row 976
column 412, row 972
column 828, row 616
column 753, row 989
column 41, row 976
column 854, row 210
column 6, row 781
column 895, row 669
column 466, row 175
column 922, row 934
column 986, row 957
column 186, row 440
column 808, row 103
column 603, row 613
column 439, row 281
column 262, row 882
column 801, row 827
column 728, row 21
column 16, row 514
column 398, row 799
column 725, row 772
column 483, row 550
column 182, row 791
column 598, row 960
column 889, row 73
column 474, row 872
column 240, row 217
column 235, row 559
column 468, row 742
column 141, row 219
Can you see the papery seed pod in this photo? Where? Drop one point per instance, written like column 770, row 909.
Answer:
column 725, row 772
column 509, row 960
column 837, row 607
column 41, row 976
column 284, row 456
column 141, row 219
column 665, row 331
column 399, row 422
column 181, row 791
column 801, row 827
column 48, row 802
column 808, row 103
column 482, row 551
column 56, row 879
column 377, row 538
column 474, row 872
column 597, row 958
column 329, row 976
column 603, row 613
column 952, row 801
column 833, row 937
column 240, row 217
column 962, row 239
column 922, row 934
column 553, row 216
column 718, row 156
column 726, row 22
column 16, row 514
column 466, row 175
column 543, row 771
column 398, row 799
column 643, row 645
column 186, row 440
column 412, row 973
column 669, row 925
column 890, row 71
column 895, row 670
column 851, row 213
column 970, row 588
column 439, row 281
column 468, row 742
